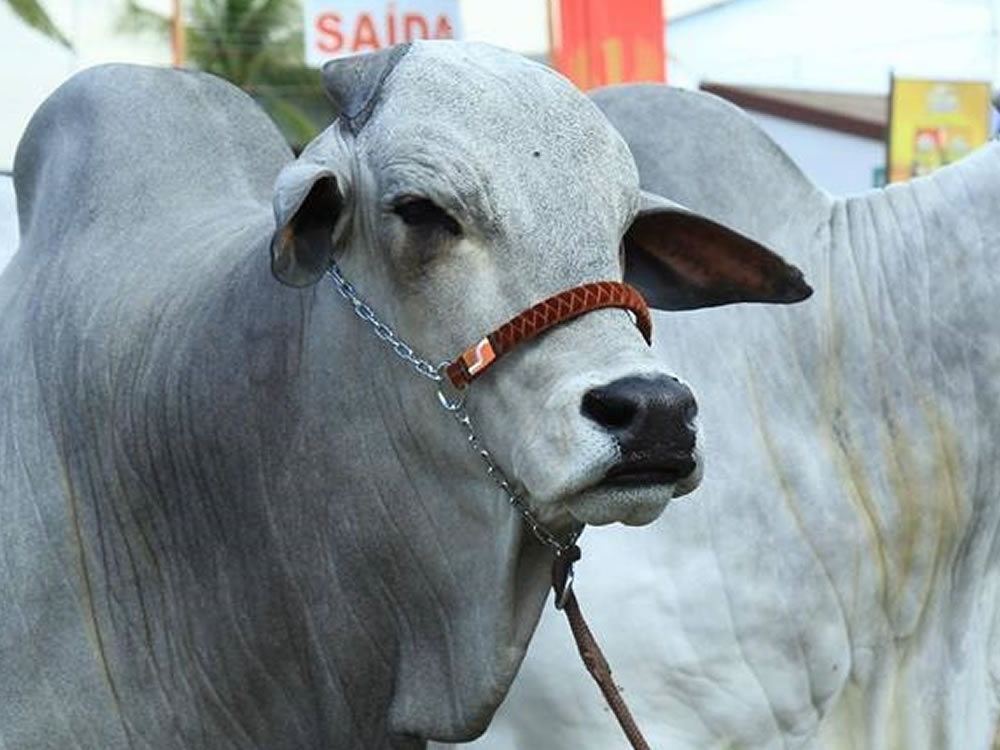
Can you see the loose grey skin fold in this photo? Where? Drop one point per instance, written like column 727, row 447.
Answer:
column 834, row 584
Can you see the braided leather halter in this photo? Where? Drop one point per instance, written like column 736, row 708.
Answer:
column 547, row 314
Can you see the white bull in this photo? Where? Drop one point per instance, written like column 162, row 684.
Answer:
column 230, row 516
column 833, row 584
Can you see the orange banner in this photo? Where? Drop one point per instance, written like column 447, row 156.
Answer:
column 600, row 42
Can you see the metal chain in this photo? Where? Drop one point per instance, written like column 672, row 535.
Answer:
column 541, row 533
column 384, row 332
column 454, row 404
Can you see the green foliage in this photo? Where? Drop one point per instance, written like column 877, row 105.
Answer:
column 241, row 40
column 137, row 19
column 33, row 14
column 257, row 45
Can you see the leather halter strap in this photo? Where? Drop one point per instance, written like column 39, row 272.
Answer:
column 539, row 318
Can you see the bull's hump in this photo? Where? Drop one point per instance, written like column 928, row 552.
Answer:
column 116, row 136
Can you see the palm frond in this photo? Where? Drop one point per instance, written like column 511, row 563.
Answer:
column 297, row 127
column 257, row 45
column 33, row 14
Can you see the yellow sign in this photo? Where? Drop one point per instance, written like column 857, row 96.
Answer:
column 933, row 123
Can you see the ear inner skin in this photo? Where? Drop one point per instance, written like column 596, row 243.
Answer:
column 660, row 286
column 681, row 262
column 305, row 245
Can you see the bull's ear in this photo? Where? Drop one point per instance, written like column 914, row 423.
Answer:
column 311, row 193
column 354, row 84
column 680, row 260
column 309, row 198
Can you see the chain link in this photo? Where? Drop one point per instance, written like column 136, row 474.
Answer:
column 384, row 332
column 455, row 408
column 541, row 533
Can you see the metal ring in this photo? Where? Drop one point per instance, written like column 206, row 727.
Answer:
column 451, row 398
column 567, row 589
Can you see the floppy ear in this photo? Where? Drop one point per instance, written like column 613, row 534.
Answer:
column 710, row 156
column 311, row 193
column 681, row 260
column 308, row 204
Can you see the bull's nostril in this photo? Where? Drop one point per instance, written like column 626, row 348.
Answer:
column 608, row 409
column 636, row 407
column 651, row 419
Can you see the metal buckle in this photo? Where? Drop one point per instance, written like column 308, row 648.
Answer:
column 478, row 357
column 567, row 588
column 451, row 397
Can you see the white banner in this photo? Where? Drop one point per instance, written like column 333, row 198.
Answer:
column 336, row 28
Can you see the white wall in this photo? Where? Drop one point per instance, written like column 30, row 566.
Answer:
column 845, row 45
column 838, row 162
column 32, row 66
column 837, row 44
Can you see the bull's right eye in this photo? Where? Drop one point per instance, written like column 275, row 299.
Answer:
column 421, row 213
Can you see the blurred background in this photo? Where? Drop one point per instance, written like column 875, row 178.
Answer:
column 833, row 81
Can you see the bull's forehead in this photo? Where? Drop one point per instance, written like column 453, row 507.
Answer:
column 500, row 136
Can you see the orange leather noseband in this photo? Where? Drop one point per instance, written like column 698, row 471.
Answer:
column 539, row 318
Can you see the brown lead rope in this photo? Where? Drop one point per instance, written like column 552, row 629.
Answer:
column 590, row 652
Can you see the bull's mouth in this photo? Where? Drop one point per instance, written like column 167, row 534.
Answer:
column 635, row 479
column 650, row 470
column 636, row 489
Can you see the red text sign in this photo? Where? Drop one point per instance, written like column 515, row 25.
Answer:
column 336, row 29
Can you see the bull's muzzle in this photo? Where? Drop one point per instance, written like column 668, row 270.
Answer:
column 652, row 419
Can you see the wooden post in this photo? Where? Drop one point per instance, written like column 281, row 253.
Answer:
column 177, row 33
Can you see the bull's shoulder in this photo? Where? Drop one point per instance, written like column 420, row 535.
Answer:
column 125, row 142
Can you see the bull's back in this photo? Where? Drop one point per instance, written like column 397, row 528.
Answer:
column 139, row 190
column 120, row 146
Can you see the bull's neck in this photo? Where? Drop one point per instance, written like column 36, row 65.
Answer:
column 906, row 364
column 905, row 367
column 914, row 262
column 445, row 549
column 320, row 530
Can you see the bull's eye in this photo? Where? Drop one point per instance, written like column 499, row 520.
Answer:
column 424, row 214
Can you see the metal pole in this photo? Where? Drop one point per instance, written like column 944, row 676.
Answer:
column 177, row 33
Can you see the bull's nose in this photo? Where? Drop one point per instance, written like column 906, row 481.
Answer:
column 652, row 420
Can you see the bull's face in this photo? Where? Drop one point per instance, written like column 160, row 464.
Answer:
column 462, row 185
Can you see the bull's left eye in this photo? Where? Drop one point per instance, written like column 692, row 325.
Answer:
column 421, row 213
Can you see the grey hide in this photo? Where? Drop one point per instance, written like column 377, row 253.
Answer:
column 230, row 517
column 834, row 584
